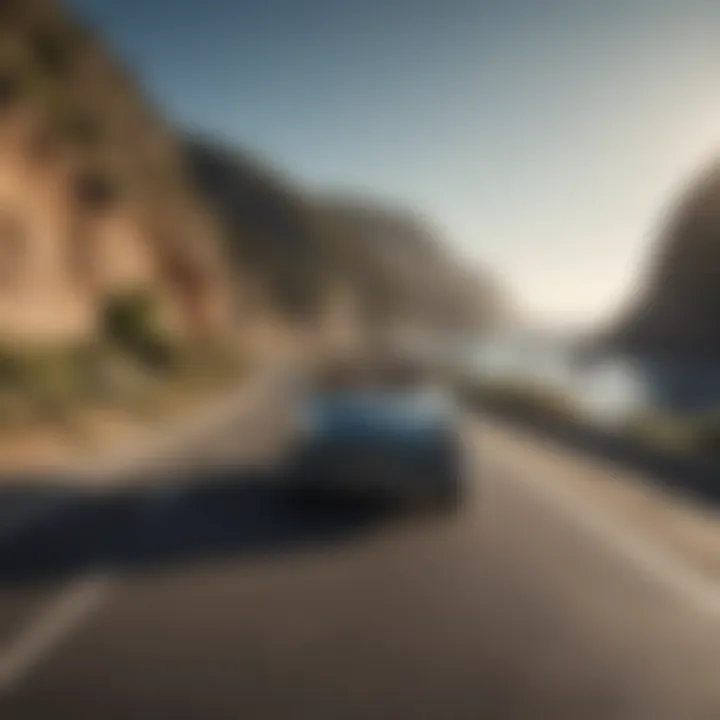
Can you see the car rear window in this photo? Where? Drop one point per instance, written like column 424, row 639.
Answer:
column 401, row 374
column 383, row 374
column 339, row 376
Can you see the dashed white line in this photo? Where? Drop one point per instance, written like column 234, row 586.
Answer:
column 73, row 605
column 76, row 603
column 59, row 619
column 657, row 563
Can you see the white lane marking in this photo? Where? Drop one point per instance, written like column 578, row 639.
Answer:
column 73, row 605
column 70, row 608
column 658, row 564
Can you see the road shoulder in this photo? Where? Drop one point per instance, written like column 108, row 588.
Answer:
column 681, row 526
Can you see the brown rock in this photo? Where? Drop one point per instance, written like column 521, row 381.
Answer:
column 678, row 308
column 93, row 193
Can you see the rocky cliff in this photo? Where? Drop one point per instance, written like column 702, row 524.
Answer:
column 677, row 311
column 99, row 196
column 403, row 268
column 305, row 256
column 278, row 256
column 94, row 196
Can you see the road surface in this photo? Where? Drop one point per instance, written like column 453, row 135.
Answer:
column 208, row 597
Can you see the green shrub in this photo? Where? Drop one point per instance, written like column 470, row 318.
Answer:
column 705, row 431
column 11, row 368
column 43, row 382
column 523, row 395
column 710, row 435
column 666, row 430
column 55, row 385
column 130, row 323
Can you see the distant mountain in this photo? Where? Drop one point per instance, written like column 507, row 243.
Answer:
column 297, row 250
column 404, row 268
column 94, row 195
column 677, row 311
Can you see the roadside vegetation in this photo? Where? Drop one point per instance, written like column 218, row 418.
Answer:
column 132, row 366
column 521, row 395
column 699, row 433
column 690, row 433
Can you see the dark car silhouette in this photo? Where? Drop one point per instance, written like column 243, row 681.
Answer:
column 378, row 433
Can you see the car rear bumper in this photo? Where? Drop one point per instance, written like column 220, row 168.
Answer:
column 364, row 474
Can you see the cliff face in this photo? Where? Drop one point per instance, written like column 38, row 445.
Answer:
column 403, row 270
column 99, row 196
column 94, row 198
column 678, row 310
column 278, row 256
column 344, row 261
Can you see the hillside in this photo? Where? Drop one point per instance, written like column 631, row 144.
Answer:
column 94, row 198
column 404, row 269
column 100, row 196
column 677, row 311
column 131, row 253
column 278, row 255
column 296, row 251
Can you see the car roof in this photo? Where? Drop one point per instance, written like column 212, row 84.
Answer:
column 380, row 371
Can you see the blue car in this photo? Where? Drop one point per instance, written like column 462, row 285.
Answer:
column 378, row 435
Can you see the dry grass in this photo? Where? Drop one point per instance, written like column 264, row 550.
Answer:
column 47, row 447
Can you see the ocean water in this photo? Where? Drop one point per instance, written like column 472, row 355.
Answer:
column 609, row 387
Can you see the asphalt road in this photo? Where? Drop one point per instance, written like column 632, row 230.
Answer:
column 207, row 596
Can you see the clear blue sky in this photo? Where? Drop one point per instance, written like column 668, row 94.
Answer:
column 544, row 137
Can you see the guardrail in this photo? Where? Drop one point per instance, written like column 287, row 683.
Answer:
column 689, row 474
